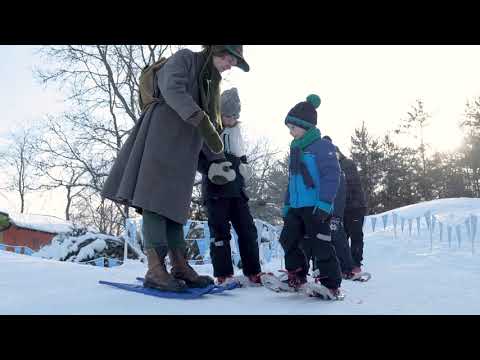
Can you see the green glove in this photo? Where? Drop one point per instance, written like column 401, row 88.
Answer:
column 210, row 135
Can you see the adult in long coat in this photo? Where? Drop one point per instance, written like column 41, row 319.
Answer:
column 155, row 169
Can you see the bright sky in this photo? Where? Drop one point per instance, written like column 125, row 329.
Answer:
column 376, row 84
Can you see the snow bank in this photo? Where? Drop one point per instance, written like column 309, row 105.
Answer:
column 408, row 279
column 80, row 246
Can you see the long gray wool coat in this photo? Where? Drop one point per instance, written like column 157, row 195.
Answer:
column 155, row 169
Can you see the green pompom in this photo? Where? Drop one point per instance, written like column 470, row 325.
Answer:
column 314, row 100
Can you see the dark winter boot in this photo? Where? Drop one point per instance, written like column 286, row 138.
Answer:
column 223, row 279
column 257, row 278
column 157, row 276
column 182, row 270
column 296, row 278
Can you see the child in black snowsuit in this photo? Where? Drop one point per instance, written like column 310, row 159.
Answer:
column 229, row 202
column 314, row 175
column 355, row 210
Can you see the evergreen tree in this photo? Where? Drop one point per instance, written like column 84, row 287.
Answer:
column 471, row 146
column 399, row 181
column 366, row 153
column 415, row 125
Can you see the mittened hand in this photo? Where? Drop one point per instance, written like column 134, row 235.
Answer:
column 221, row 173
column 210, row 135
column 285, row 211
column 245, row 171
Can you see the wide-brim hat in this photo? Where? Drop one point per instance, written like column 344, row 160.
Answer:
column 237, row 51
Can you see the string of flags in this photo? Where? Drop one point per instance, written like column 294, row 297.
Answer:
column 101, row 262
column 431, row 221
column 25, row 250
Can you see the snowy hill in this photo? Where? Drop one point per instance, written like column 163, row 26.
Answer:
column 408, row 277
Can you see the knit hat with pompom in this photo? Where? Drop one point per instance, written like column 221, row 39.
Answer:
column 304, row 114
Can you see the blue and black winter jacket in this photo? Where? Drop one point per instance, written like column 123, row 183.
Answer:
column 319, row 186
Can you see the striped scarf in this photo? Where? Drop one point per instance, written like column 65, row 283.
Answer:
column 297, row 166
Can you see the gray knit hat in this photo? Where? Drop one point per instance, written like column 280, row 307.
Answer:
column 230, row 103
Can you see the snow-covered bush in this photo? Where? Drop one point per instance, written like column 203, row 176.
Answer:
column 81, row 245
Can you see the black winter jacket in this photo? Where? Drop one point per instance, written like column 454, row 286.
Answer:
column 355, row 198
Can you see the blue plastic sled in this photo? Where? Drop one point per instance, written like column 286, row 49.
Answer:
column 214, row 289
column 191, row 293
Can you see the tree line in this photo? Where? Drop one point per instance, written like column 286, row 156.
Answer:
column 75, row 150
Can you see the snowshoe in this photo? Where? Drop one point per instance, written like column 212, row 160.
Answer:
column 321, row 291
column 357, row 275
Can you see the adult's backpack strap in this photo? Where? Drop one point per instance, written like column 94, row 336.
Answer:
column 147, row 85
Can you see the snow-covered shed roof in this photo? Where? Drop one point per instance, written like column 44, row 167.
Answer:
column 45, row 223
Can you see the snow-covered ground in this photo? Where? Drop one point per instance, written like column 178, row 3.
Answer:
column 408, row 278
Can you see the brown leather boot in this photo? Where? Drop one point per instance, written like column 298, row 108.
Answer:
column 157, row 275
column 182, row 270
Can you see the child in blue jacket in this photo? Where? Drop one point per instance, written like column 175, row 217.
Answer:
column 314, row 176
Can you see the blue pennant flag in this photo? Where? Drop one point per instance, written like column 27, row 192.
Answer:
column 236, row 258
column 266, row 252
column 467, row 224
column 402, row 223
column 449, row 230
column 394, row 217
column 385, row 219
column 473, row 224
column 459, row 235
column 100, row 262
column 113, row 262
column 374, row 221
column 202, row 247
column 428, row 219
column 131, row 232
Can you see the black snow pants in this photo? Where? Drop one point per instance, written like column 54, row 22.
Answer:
column 222, row 211
column 340, row 243
column 302, row 222
column 353, row 222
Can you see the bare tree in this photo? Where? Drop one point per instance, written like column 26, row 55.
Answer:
column 18, row 157
column 102, row 83
column 276, row 183
column 264, row 186
column 95, row 212
column 102, row 76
